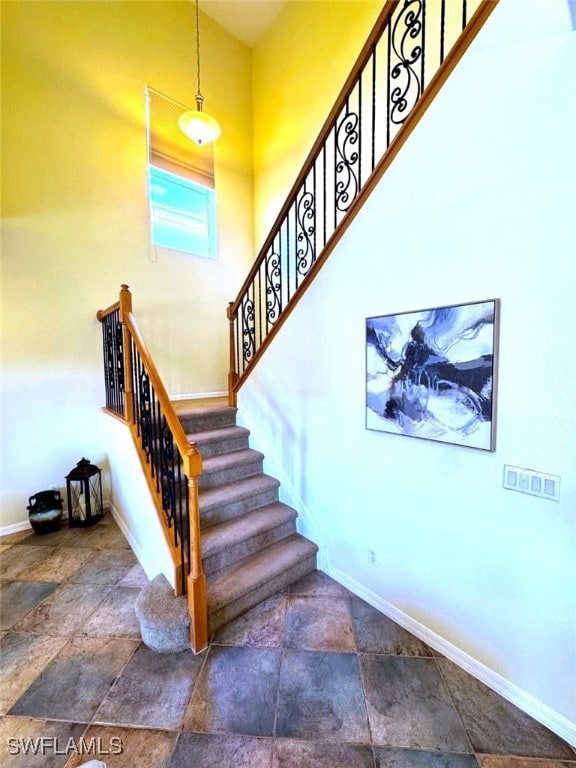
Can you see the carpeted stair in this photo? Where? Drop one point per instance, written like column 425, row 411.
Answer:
column 250, row 547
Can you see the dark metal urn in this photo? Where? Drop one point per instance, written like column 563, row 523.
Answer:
column 45, row 511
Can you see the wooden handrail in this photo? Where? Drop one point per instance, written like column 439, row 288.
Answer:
column 191, row 466
column 471, row 27
column 102, row 314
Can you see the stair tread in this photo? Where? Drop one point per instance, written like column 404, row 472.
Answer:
column 213, row 435
column 241, row 578
column 236, row 458
column 213, row 497
column 237, row 530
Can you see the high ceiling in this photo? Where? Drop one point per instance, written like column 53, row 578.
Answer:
column 245, row 19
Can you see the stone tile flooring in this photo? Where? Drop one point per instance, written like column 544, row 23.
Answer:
column 312, row 678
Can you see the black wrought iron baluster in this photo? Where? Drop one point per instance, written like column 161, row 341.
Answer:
column 273, row 266
column 136, row 397
column 423, row 57
column 153, row 448
column 406, row 29
column 315, row 197
column 137, row 393
column 238, row 353
column 157, row 421
column 373, row 145
column 257, row 311
column 134, row 374
column 119, row 364
column 183, row 521
column 146, row 436
column 305, row 227
column 442, row 29
column 324, row 185
column 106, row 359
column 288, row 257
column 347, row 136
column 388, row 85
column 359, row 151
column 248, row 327
column 167, row 484
column 334, row 180
column 464, row 14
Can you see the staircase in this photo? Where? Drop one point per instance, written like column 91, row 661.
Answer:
column 231, row 541
column 250, row 548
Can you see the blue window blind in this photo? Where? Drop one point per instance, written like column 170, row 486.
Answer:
column 183, row 213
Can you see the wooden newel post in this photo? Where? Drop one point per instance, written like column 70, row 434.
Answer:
column 196, row 584
column 125, row 310
column 233, row 375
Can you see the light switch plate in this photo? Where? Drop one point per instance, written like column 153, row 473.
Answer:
column 532, row 482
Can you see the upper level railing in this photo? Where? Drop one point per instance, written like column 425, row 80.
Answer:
column 411, row 51
column 135, row 393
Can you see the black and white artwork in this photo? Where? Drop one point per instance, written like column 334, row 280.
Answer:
column 431, row 373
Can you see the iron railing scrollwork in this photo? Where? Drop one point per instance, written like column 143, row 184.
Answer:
column 135, row 392
column 412, row 49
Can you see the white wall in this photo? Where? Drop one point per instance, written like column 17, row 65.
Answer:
column 479, row 204
column 133, row 507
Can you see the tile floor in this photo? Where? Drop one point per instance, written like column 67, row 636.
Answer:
column 312, row 678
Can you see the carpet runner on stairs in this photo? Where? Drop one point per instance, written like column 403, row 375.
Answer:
column 250, row 547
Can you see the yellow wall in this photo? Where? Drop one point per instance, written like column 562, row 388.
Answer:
column 299, row 69
column 75, row 218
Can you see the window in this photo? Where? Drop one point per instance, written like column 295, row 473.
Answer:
column 183, row 213
column 181, row 193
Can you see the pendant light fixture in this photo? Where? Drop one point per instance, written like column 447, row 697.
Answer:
column 196, row 124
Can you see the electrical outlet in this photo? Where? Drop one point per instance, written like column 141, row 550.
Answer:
column 371, row 557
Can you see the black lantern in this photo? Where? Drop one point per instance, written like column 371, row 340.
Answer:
column 84, row 488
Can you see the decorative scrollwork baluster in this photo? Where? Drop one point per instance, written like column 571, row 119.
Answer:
column 407, row 45
column 305, row 228
column 273, row 287
column 145, row 413
column 347, row 183
column 248, row 330
column 167, row 479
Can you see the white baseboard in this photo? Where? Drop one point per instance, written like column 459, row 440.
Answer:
column 6, row 530
column 529, row 704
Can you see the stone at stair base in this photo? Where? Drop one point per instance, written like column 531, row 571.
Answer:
column 164, row 619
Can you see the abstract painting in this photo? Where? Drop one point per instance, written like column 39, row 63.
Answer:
column 431, row 373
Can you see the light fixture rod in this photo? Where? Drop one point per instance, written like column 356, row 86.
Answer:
column 199, row 126
column 199, row 98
